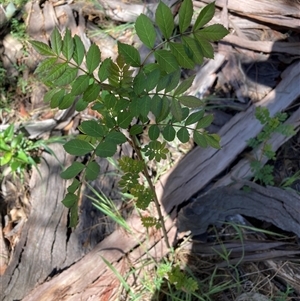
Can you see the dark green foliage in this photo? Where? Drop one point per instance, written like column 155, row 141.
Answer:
column 128, row 90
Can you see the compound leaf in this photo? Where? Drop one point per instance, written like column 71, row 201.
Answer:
column 145, row 30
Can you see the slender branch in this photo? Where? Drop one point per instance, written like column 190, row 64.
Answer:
column 148, row 178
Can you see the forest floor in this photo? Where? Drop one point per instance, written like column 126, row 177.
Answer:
column 255, row 255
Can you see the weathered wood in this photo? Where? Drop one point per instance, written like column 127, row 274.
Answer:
column 272, row 204
column 196, row 169
column 44, row 245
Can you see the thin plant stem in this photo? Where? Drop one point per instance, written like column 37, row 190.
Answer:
column 155, row 199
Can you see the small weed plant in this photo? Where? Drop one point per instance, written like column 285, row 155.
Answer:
column 264, row 173
column 17, row 152
column 133, row 97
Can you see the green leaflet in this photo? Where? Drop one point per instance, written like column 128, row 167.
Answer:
column 205, row 16
column 145, row 30
column 213, row 140
column 93, row 128
column 190, row 101
column 200, row 139
column 193, row 49
column 66, row 101
column 176, row 109
column 57, row 98
column 80, row 84
column 164, row 19
column 130, row 54
column 69, row 200
column 156, row 105
column 79, row 50
column 68, row 45
column 92, row 92
column 183, row 135
column 103, row 72
column 92, row 171
column 81, row 105
column 185, row 15
column 78, row 147
column 48, row 96
column 184, row 86
column 153, row 132
column 205, row 46
column 165, row 109
column 74, row 186
column 44, row 66
column 166, row 60
column 116, row 137
column 42, row 48
column 93, row 58
column 136, row 129
column 73, row 170
column 205, row 121
column 213, row 32
column 139, row 83
column 56, row 71
column 152, row 79
column 194, row 117
column 67, row 77
column 124, row 119
column 106, row 149
column 169, row 133
column 179, row 52
column 56, row 41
